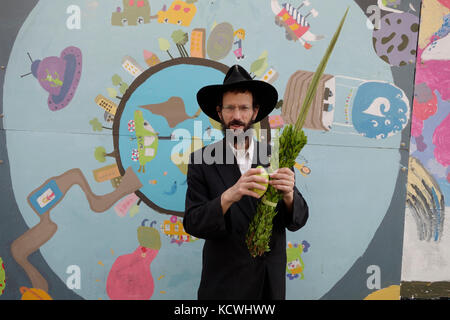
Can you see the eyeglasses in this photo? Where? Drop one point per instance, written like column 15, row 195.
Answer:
column 231, row 109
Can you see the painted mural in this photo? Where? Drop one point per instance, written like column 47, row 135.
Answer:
column 98, row 136
column 425, row 269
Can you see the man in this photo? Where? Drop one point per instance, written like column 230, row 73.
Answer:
column 220, row 203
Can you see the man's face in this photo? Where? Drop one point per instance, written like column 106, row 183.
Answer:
column 237, row 112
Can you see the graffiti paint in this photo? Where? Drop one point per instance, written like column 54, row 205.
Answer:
column 425, row 259
column 2, row 277
column 389, row 293
column 59, row 76
column 130, row 277
column 395, row 40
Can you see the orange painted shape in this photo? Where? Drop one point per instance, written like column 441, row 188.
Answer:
column 106, row 173
column 179, row 13
column 389, row 293
column 34, row 294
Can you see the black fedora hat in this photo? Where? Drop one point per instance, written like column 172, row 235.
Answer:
column 264, row 94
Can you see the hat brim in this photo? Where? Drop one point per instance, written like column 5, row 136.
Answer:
column 209, row 97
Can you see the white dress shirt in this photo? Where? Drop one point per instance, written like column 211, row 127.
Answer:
column 244, row 156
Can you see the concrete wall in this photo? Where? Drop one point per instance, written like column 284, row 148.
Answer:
column 80, row 202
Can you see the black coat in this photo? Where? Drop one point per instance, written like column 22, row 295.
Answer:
column 229, row 271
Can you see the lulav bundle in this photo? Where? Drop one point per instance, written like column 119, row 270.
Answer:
column 291, row 142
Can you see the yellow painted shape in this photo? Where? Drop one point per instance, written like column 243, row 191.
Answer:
column 304, row 170
column 389, row 293
column 418, row 176
column 216, row 124
column 431, row 19
column 285, row 16
column 106, row 104
column 257, row 128
column 174, row 229
column 294, row 26
column 34, row 294
column 106, row 173
column 180, row 16
column 181, row 160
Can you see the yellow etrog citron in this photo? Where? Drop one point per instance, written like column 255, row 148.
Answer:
column 263, row 174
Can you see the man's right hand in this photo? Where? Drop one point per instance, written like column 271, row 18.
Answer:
column 249, row 180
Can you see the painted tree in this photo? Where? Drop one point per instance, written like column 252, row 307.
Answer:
column 164, row 45
column 97, row 126
column 117, row 81
column 181, row 38
column 100, row 154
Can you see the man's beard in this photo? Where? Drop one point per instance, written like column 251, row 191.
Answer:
column 237, row 135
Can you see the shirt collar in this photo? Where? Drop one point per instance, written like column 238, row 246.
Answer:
column 248, row 152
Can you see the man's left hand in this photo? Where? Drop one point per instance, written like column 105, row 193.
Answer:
column 283, row 180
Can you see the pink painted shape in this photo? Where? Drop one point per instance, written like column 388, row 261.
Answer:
column 416, row 126
column 124, row 205
column 131, row 3
column 282, row 13
column 276, row 121
column 425, row 110
column 147, row 54
column 187, row 10
column 130, row 277
column 238, row 52
column 441, row 139
column 140, row 4
column 301, row 31
column 445, row 3
column 177, row 7
column 435, row 74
